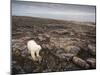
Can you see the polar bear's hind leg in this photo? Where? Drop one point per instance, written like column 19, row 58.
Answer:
column 38, row 55
column 33, row 56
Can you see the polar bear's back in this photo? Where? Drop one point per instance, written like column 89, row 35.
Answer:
column 33, row 46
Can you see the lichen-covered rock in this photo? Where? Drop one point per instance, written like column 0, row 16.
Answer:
column 80, row 62
column 92, row 62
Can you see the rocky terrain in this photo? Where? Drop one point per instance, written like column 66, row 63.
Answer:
column 66, row 45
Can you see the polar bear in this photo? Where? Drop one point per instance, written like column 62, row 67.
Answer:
column 34, row 50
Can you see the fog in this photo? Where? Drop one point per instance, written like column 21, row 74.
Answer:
column 54, row 11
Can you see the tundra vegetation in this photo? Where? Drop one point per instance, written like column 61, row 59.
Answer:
column 66, row 45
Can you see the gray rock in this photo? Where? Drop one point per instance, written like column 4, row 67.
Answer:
column 92, row 62
column 80, row 62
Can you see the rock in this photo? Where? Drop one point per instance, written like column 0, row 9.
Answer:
column 47, row 36
column 46, row 46
column 60, row 31
column 43, row 37
column 63, row 55
column 18, row 44
column 92, row 49
column 66, row 56
column 16, row 51
column 92, row 62
column 27, row 67
column 16, row 68
column 80, row 62
column 25, row 53
column 14, row 62
column 72, row 49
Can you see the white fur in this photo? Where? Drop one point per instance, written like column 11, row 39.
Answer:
column 34, row 49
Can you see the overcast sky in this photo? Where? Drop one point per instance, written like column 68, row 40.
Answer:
column 55, row 11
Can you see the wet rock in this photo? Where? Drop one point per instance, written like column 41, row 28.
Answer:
column 92, row 49
column 72, row 49
column 80, row 62
column 92, row 62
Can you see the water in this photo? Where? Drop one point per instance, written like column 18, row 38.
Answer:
column 54, row 11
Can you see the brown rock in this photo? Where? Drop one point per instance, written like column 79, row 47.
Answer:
column 80, row 62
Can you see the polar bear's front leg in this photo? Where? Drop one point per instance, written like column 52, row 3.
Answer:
column 33, row 56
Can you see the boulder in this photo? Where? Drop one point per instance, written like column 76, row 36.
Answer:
column 63, row 55
column 92, row 62
column 60, row 31
column 80, row 62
